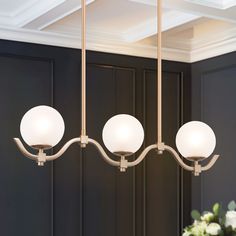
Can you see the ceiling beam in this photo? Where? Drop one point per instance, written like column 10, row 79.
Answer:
column 148, row 28
column 56, row 14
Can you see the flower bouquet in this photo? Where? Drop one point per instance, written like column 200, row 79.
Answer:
column 215, row 222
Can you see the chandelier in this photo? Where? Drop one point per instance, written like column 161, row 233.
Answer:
column 42, row 127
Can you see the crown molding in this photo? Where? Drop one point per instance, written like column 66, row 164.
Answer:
column 210, row 50
column 212, row 46
column 200, row 51
column 109, row 45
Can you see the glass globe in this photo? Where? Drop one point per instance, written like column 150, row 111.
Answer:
column 123, row 134
column 42, row 127
column 195, row 140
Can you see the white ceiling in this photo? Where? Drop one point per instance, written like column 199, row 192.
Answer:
column 221, row 4
column 193, row 29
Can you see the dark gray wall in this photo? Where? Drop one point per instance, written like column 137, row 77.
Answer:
column 80, row 194
column 214, row 102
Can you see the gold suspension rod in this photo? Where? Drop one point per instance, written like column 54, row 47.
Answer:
column 83, row 69
column 159, row 72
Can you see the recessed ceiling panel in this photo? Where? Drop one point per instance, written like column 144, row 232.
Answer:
column 17, row 13
column 13, row 7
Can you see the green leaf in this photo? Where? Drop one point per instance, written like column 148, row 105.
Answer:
column 221, row 233
column 222, row 213
column 232, row 206
column 228, row 230
column 216, row 209
column 222, row 220
column 195, row 215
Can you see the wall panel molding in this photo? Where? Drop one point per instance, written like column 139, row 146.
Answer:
column 213, row 103
column 25, row 79
column 171, row 76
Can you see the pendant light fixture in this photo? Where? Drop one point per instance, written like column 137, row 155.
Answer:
column 42, row 127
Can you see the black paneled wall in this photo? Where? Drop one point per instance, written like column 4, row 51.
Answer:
column 214, row 86
column 80, row 194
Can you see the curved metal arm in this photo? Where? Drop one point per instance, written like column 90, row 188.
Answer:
column 23, row 150
column 178, row 158
column 103, row 153
column 210, row 163
column 142, row 155
column 196, row 169
column 47, row 158
column 123, row 164
column 63, row 149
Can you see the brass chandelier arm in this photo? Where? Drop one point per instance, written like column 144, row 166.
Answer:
column 142, row 155
column 103, row 153
column 123, row 164
column 36, row 157
column 178, row 158
column 63, row 149
column 163, row 148
column 23, row 150
column 210, row 163
column 196, row 168
column 41, row 157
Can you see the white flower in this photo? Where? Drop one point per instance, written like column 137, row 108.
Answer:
column 208, row 216
column 199, row 228
column 186, row 233
column 230, row 219
column 213, row 229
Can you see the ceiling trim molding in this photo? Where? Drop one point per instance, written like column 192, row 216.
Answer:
column 210, row 50
column 98, row 43
column 109, row 46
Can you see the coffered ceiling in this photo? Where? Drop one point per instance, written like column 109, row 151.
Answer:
column 193, row 30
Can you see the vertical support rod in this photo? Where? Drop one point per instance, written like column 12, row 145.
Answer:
column 83, row 69
column 159, row 71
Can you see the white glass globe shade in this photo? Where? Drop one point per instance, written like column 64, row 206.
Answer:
column 195, row 139
column 42, row 126
column 123, row 134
